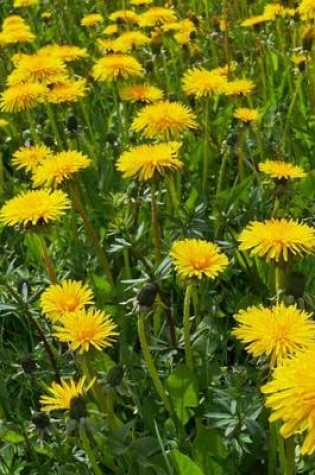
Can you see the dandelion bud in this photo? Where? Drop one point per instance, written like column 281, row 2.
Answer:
column 78, row 408
column 147, row 295
column 28, row 364
column 41, row 420
column 115, row 376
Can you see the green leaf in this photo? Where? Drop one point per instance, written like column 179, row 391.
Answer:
column 12, row 437
column 183, row 464
column 183, row 391
column 208, row 447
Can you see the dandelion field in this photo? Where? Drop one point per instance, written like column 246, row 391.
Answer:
column 157, row 237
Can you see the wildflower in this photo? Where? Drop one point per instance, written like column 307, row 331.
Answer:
column 198, row 258
column 66, row 297
column 37, row 68
column 291, row 397
column 67, row 91
column 201, row 82
column 306, row 9
column 245, row 114
column 3, row 123
column 281, row 170
column 30, row 157
column 34, row 207
column 66, row 53
column 60, row 395
column 92, row 19
column 155, row 16
column 164, row 119
column 140, row 3
column 254, row 21
column 87, row 328
column 146, row 160
column 59, row 168
column 110, row 30
column 129, row 40
column 140, row 93
column 24, row 3
column 277, row 239
column 275, row 332
column 22, row 97
column 126, row 16
column 239, row 86
column 117, row 66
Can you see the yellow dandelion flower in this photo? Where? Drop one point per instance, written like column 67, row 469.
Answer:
column 239, row 86
column 12, row 20
column 275, row 332
column 164, row 120
column 129, row 40
column 291, row 397
column 140, row 93
column 92, row 19
column 254, row 21
column 201, row 82
column 156, row 16
column 146, row 160
column 22, row 97
column 30, row 157
column 297, row 59
column 21, row 34
column 277, row 239
column 35, row 206
column 140, row 3
column 3, row 123
column 67, row 91
column 185, row 29
column 281, row 170
column 60, row 395
column 126, row 16
column 66, row 53
column 195, row 258
column 117, row 66
column 246, row 115
column 66, row 297
column 59, row 168
column 24, row 3
column 105, row 45
column 46, row 15
column 110, row 30
column 271, row 12
column 87, row 328
column 37, row 68
column 306, row 9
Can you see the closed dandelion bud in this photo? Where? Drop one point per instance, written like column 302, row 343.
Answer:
column 296, row 284
column 111, row 138
column 49, row 141
column 115, row 376
column 195, row 52
column 28, row 364
column 193, row 18
column 147, row 295
column 149, row 67
column 24, row 288
column 72, row 123
column 41, row 420
column 156, row 43
column 308, row 38
column 78, row 408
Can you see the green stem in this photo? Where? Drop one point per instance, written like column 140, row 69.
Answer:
column 173, row 193
column 279, row 285
column 104, row 401
column 150, row 364
column 290, row 455
column 205, row 171
column 89, row 451
column 156, row 234
column 127, row 263
column 272, row 449
column 49, row 350
column 48, row 263
column 186, row 322
column 54, row 126
column 92, row 233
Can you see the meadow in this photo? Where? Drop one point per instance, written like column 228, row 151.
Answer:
column 157, row 237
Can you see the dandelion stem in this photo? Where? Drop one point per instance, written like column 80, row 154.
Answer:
column 92, row 233
column 49, row 350
column 48, row 263
column 186, row 322
column 89, row 451
column 156, row 234
column 150, row 364
column 205, row 171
